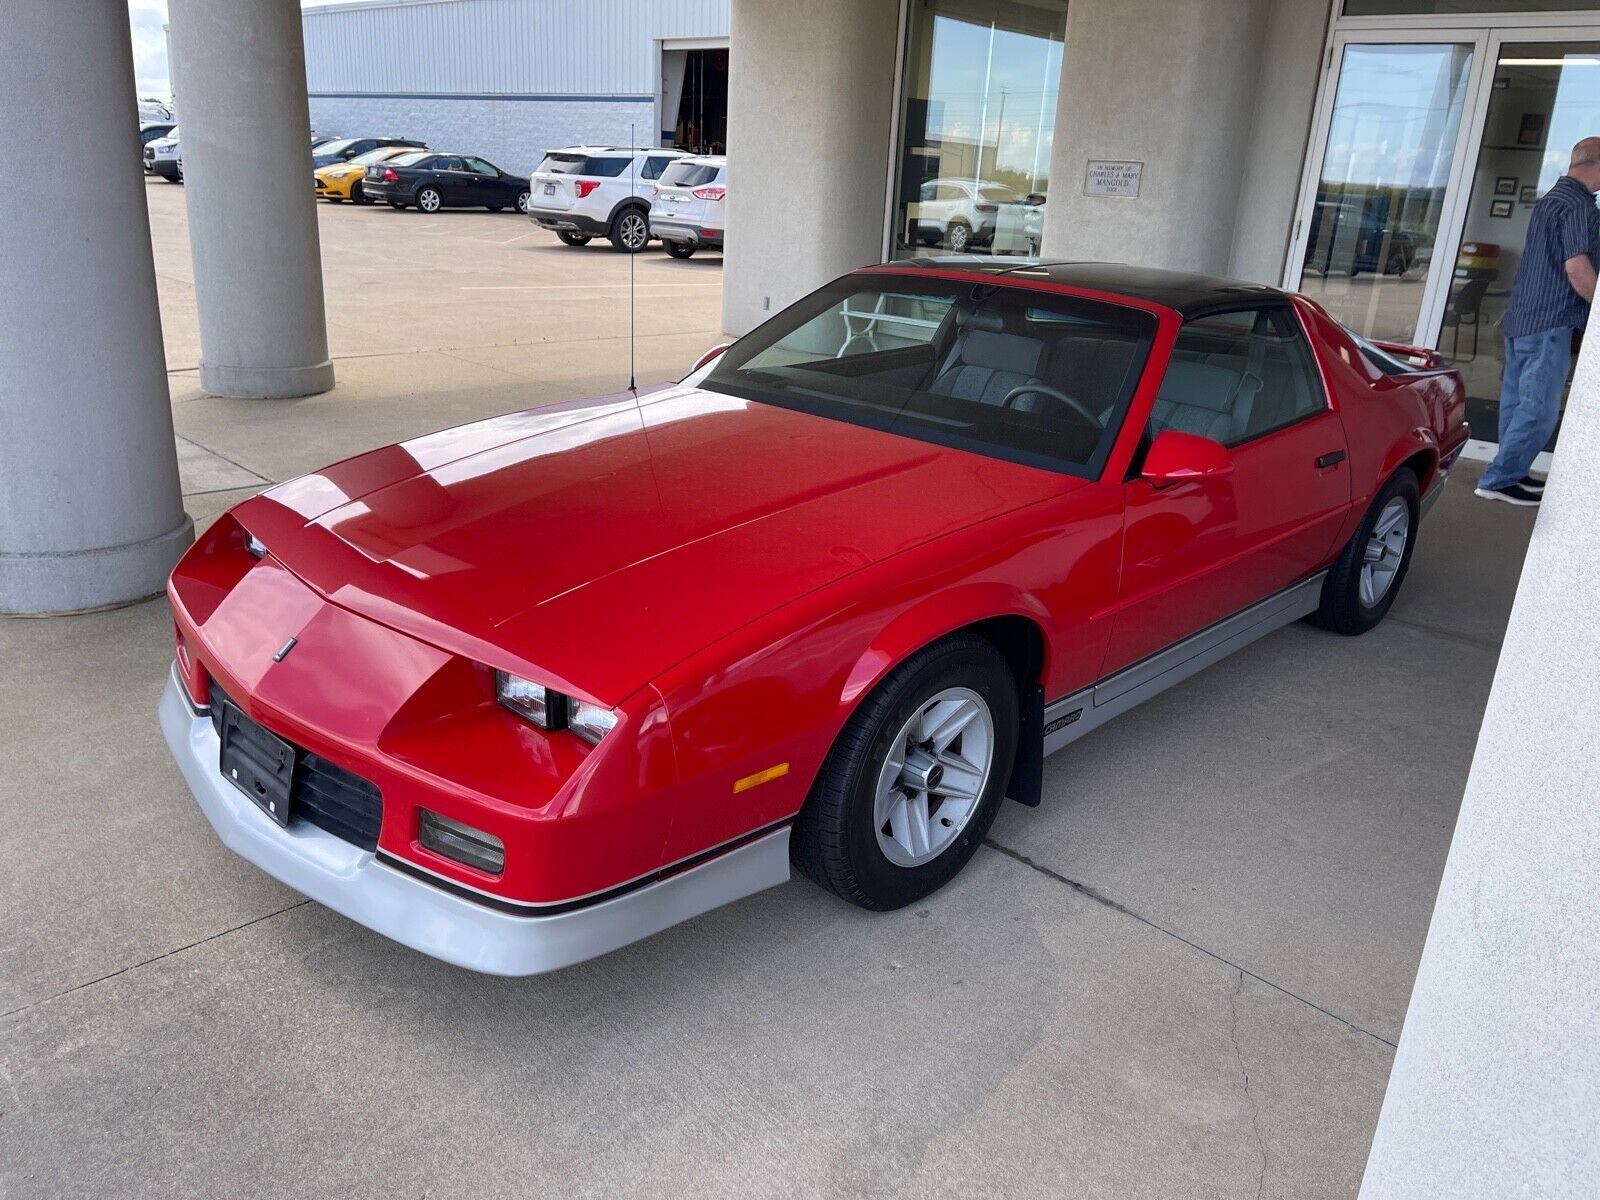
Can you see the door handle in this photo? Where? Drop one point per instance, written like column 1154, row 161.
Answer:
column 1332, row 458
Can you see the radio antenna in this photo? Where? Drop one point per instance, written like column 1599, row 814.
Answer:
column 633, row 171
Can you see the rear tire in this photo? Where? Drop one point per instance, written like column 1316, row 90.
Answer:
column 958, row 237
column 679, row 249
column 429, row 200
column 630, row 231
column 882, row 827
column 523, row 200
column 1365, row 579
column 573, row 239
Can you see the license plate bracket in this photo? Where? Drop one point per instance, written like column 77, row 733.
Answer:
column 257, row 762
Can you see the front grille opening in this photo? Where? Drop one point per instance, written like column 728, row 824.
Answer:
column 324, row 794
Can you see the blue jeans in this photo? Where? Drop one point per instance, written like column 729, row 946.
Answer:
column 1530, row 402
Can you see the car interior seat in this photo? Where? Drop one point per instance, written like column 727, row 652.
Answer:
column 985, row 364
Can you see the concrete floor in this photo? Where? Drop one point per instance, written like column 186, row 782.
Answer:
column 1183, row 975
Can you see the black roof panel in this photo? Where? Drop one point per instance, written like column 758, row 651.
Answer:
column 1186, row 293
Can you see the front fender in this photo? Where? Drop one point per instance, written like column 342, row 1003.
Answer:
column 931, row 619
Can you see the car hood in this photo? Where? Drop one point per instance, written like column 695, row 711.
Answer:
column 594, row 545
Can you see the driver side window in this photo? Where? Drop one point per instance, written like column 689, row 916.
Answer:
column 1235, row 376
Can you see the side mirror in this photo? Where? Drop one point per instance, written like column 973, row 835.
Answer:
column 1176, row 457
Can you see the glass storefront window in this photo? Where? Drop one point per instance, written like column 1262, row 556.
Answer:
column 1546, row 96
column 977, row 117
column 1380, row 196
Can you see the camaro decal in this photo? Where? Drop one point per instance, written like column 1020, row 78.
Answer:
column 1063, row 721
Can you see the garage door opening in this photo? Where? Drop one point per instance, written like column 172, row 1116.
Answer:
column 694, row 100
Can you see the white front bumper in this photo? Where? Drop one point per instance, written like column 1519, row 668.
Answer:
column 354, row 882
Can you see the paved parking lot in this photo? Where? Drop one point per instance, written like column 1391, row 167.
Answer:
column 1183, row 975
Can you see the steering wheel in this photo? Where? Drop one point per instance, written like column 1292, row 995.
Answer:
column 1075, row 407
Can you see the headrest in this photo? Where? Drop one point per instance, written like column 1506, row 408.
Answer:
column 1001, row 351
column 969, row 318
column 1199, row 384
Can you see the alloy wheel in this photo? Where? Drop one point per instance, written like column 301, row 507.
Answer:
column 428, row 200
column 523, row 200
column 958, row 238
column 635, row 230
column 1386, row 549
column 933, row 778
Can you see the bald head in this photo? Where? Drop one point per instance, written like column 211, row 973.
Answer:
column 1585, row 166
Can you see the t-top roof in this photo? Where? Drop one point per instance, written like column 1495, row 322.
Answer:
column 1186, row 293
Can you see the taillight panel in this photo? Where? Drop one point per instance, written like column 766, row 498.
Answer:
column 710, row 193
column 584, row 186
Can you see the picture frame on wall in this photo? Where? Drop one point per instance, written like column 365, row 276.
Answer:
column 1505, row 185
column 1531, row 131
column 1500, row 208
column 1530, row 194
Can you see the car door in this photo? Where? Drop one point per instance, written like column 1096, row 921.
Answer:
column 451, row 179
column 491, row 186
column 1197, row 552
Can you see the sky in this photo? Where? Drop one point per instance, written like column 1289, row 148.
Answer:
column 147, row 18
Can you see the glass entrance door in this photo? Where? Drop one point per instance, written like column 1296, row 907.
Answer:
column 1390, row 140
column 1544, row 96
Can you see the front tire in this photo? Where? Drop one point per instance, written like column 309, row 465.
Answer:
column 357, row 195
column 915, row 778
column 1362, row 584
column 630, row 232
column 679, row 249
column 429, row 200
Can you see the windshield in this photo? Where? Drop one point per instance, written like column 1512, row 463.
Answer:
column 1010, row 372
column 381, row 154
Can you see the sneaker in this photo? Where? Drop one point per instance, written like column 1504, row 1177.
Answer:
column 1512, row 493
column 1529, row 484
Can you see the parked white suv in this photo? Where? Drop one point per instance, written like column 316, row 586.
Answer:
column 586, row 192
column 960, row 213
column 686, row 213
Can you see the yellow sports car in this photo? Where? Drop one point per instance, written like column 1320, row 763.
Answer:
column 342, row 181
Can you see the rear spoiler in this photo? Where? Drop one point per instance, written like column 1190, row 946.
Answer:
column 1419, row 357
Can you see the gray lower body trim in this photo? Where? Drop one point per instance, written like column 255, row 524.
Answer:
column 1068, row 719
column 1432, row 496
column 354, row 882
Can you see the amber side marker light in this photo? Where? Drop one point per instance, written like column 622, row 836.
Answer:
column 760, row 777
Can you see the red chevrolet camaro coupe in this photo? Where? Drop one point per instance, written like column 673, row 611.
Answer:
column 519, row 693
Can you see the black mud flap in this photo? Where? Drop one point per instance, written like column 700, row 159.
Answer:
column 1027, row 773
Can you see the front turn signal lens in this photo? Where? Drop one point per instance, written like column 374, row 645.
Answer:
column 461, row 843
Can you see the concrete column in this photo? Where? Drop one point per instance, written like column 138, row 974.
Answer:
column 1495, row 1089
column 1172, row 86
column 90, row 512
column 810, row 104
column 240, row 74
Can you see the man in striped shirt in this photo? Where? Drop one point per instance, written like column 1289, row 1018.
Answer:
column 1550, row 298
